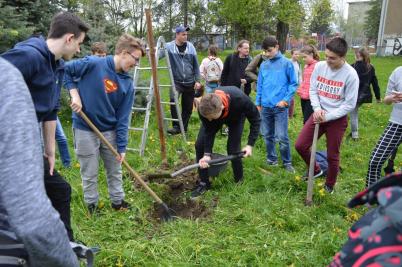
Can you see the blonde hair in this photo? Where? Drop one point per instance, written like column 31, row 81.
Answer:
column 210, row 104
column 129, row 43
column 310, row 50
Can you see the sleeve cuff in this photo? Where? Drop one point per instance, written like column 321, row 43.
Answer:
column 70, row 86
column 51, row 117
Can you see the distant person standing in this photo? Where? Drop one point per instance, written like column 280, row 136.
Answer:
column 276, row 85
column 99, row 49
column 311, row 57
column 211, row 69
column 367, row 77
column 392, row 135
column 295, row 53
column 234, row 73
column 186, row 75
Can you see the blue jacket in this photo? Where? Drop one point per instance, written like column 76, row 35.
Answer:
column 41, row 72
column 107, row 96
column 185, row 67
column 277, row 81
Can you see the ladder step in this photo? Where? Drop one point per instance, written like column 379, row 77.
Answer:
column 170, row 119
column 150, row 68
column 168, row 103
column 139, row 109
column 136, row 129
column 141, row 88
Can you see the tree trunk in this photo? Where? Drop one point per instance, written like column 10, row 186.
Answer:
column 282, row 30
column 185, row 12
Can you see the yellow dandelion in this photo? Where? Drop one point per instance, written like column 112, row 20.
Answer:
column 77, row 165
column 297, row 178
column 320, row 184
column 322, row 192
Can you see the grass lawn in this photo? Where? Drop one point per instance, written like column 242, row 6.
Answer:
column 263, row 222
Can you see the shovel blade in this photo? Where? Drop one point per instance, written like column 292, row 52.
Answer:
column 167, row 213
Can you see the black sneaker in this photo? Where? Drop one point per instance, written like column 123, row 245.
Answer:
column 123, row 206
column 329, row 189
column 173, row 131
column 316, row 175
column 199, row 190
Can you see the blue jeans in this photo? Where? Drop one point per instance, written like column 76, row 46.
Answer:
column 210, row 87
column 275, row 121
column 62, row 145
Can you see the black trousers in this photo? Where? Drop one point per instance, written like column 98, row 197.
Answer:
column 233, row 146
column 187, row 98
column 59, row 193
column 307, row 109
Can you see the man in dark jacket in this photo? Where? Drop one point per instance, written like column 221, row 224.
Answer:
column 41, row 63
column 227, row 105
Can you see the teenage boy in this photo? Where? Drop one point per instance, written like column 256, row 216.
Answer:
column 295, row 53
column 186, row 76
column 103, row 89
column 333, row 93
column 227, row 105
column 276, row 85
column 41, row 63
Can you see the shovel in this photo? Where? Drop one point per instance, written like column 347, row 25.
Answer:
column 167, row 215
column 194, row 166
column 310, row 183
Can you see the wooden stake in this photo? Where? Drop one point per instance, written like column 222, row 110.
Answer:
column 310, row 184
column 155, row 84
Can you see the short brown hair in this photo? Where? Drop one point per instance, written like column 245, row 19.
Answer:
column 98, row 47
column 338, row 46
column 66, row 22
column 129, row 43
column 210, row 104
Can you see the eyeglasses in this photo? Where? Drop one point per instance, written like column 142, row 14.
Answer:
column 136, row 59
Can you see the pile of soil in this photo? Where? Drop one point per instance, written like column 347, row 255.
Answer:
column 177, row 197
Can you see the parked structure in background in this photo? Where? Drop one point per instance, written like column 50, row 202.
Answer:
column 390, row 33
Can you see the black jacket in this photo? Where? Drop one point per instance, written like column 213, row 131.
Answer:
column 240, row 105
column 234, row 69
column 367, row 76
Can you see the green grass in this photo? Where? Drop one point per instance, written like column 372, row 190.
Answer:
column 260, row 223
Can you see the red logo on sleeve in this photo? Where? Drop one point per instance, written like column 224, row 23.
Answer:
column 110, row 86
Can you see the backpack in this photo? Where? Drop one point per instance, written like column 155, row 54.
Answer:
column 213, row 71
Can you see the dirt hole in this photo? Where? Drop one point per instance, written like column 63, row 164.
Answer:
column 177, row 198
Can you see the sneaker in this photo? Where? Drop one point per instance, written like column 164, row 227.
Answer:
column 289, row 168
column 329, row 189
column 272, row 163
column 316, row 175
column 173, row 131
column 200, row 190
column 123, row 206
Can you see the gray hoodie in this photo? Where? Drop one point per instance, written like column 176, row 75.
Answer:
column 334, row 91
column 26, row 214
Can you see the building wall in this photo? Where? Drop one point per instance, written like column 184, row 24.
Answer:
column 355, row 22
column 391, row 44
